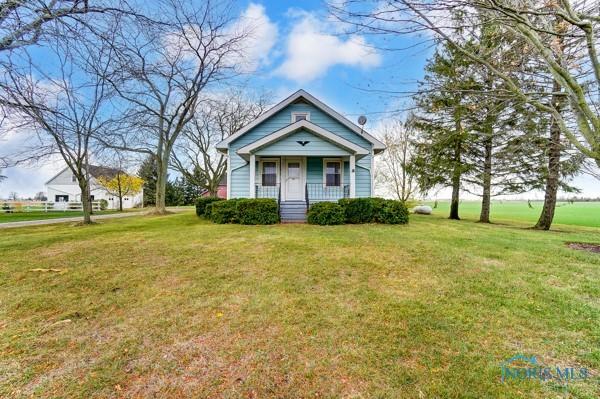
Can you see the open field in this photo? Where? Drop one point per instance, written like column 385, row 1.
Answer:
column 173, row 306
column 40, row 215
column 576, row 214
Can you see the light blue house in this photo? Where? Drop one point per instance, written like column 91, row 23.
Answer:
column 299, row 152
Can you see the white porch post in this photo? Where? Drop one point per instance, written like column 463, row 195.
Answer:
column 352, row 176
column 252, row 175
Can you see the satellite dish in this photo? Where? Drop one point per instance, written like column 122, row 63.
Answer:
column 362, row 120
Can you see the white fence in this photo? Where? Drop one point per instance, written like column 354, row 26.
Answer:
column 43, row 206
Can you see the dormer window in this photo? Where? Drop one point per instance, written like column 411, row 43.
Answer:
column 300, row 116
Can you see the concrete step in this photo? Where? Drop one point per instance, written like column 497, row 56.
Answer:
column 293, row 211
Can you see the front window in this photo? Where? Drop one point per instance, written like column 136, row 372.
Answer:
column 333, row 173
column 269, row 173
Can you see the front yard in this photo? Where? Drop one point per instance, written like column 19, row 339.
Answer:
column 173, row 306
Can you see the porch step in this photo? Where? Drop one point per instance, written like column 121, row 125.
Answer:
column 293, row 211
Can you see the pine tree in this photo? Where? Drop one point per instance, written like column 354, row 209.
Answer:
column 444, row 137
column 149, row 173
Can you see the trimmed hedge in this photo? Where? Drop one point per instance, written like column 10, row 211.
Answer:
column 203, row 202
column 257, row 211
column 222, row 212
column 374, row 210
column 326, row 213
column 393, row 212
column 243, row 211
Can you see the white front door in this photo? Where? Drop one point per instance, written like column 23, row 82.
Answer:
column 294, row 189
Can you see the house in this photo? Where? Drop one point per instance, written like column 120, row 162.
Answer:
column 64, row 188
column 221, row 189
column 299, row 152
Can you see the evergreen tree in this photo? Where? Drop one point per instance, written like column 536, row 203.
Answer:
column 444, row 138
column 149, row 173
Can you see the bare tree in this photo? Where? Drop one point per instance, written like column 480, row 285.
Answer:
column 195, row 156
column 162, row 72
column 393, row 171
column 65, row 106
column 23, row 23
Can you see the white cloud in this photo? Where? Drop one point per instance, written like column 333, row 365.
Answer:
column 253, row 33
column 312, row 48
column 262, row 36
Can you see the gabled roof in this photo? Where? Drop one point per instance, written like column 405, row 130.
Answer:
column 378, row 146
column 95, row 171
column 294, row 127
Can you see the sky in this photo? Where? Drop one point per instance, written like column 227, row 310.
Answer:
column 298, row 45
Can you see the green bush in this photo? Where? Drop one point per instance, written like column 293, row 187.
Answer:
column 326, row 213
column 224, row 211
column 374, row 210
column 243, row 210
column 207, row 210
column 103, row 204
column 257, row 211
column 358, row 210
column 393, row 212
column 202, row 202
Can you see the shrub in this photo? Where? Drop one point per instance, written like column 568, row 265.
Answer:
column 326, row 213
column 257, row 211
column 393, row 212
column 374, row 210
column 103, row 204
column 224, row 211
column 202, row 202
column 207, row 210
column 357, row 210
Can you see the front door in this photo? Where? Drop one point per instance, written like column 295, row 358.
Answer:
column 293, row 179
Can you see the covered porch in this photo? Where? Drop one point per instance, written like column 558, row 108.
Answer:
column 302, row 162
column 303, row 178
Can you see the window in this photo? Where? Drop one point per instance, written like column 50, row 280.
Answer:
column 73, row 178
column 269, row 173
column 61, row 198
column 300, row 116
column 333, row 173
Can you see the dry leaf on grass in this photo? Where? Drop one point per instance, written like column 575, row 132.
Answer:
column 49, row 270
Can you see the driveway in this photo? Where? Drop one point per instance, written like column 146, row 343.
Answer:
column 27, row 223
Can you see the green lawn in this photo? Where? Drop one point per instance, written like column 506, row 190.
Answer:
column 577, row 214
column 40, row 215
column 175, row 307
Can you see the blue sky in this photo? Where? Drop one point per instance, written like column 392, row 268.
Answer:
column 298, row 45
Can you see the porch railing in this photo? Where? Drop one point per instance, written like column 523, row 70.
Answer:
column 320, row 192
column 267, row 191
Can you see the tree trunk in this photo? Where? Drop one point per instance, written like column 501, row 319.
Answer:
column 484, row 216
column 456, row 173
column 554, row 152
column 86, row 204
column 120, row 192
column 161, row 186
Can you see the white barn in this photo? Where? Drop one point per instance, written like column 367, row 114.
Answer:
column 64, row 188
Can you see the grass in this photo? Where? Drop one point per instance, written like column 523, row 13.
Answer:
column 174, row 306
column 576, row 214
column 40, row 215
